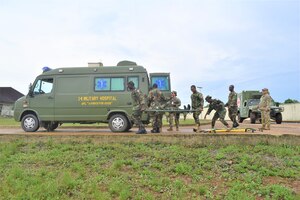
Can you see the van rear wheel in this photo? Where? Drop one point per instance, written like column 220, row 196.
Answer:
column 30, row 123
column 118, row 123
column 51, row 126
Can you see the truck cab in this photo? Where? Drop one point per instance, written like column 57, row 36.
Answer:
column 247, row 107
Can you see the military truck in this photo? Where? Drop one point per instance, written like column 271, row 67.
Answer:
column 247, row 107
column 86, row 95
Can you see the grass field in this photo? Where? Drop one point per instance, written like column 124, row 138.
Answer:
column 91, row 168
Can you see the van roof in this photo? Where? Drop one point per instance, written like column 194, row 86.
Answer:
column 96, row 70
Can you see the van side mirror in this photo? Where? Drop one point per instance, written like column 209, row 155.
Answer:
column 30, row 92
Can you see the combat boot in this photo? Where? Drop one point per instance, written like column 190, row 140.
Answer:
column 141, row 130
column 155, row 130
column 170, row 129
column 267, row 127
column 177, row 129
column 235, row 124
column 196, row 128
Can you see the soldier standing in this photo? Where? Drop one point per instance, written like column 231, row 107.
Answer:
column 232, row 106
column 197, row 104
column 138, row 107
column 218, row 106
column 175, row 103
column 264, row 107
column 155, row 98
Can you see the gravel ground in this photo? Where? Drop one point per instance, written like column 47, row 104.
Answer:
column 276, row 129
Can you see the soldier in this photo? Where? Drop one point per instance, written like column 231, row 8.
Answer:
column 218, row 106
column 138, row 107
column 175, row 103
column 197, row 104
column 232, row 106
column 156, row 98
column 264, row 107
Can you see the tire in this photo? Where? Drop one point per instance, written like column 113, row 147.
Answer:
column 240, row 119
column 118, row 123
column 30, row 123
column 50, row 126
column 278, row 118
column 252, row 118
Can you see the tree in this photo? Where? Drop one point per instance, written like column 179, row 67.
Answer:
column 291, row 101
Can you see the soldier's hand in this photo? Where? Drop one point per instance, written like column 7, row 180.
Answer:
column 200, row 109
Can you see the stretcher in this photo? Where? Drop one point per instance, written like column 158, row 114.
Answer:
column 227, row 130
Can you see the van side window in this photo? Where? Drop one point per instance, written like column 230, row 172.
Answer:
column 43, row 86
column 109, row 84
column 161, row 81
column 135, row 80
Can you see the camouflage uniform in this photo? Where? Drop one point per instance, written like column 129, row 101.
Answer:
column 218, row 106
column 138, row 107
column 155, row 99
column 197, row 104
column 175, row 103
column 264, row 107
column 232, row 107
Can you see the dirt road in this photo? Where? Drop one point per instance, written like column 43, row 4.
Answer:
column 276, row 129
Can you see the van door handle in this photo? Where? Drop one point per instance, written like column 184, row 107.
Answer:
column 129, row 103
column 50, row 97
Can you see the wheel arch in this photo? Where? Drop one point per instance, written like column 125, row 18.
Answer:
column 26, row 112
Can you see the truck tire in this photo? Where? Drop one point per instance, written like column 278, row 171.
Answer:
column 278, row 118
column 252, row 118
column 240, row 119
column 51, row 126
column 30, row 123
column 118, row 123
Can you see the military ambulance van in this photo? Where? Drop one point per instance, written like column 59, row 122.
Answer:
column 85, row 95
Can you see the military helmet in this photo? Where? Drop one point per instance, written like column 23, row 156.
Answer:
column 207, row 97
column 130, row 83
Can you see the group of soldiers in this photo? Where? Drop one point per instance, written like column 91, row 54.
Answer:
column 156, row 101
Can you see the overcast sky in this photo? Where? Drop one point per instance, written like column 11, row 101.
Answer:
column 212, row 44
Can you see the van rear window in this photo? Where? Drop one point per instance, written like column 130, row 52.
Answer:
column 161, row 81
column 109, row 84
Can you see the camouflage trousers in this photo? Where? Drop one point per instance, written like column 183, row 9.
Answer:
column 171, row 119
column 196, row 117
column 137, row 118
column 219, row 115
column 265, row 119
column 232, row 113
column 156, row 119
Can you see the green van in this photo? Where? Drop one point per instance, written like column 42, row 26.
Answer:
column 85, row 95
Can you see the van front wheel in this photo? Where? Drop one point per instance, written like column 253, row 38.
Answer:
column 30, row 123
column 118, row 123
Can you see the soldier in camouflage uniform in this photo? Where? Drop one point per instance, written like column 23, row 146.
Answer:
column 218, row 106
column 174, row 104
column 232, row 106
column 155, row 99
column 197, row 104
column 264, row 107
column 138, row 107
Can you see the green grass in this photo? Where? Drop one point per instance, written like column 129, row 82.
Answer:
column 55, row 168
